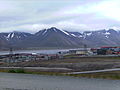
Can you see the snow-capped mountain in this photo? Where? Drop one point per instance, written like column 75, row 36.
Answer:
column 103, row 37
column 13, row 38
column 54, row 37
column 15, row 35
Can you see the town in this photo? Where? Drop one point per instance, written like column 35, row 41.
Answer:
column 84, row 52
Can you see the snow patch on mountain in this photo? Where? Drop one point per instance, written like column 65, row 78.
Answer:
column 65, row 32
column 107, row 33
column 80, row 36
column 12, row 35
column 45, row 31
column 74, row 35
column 55, row 29
column 8, row 35
column 89, row 34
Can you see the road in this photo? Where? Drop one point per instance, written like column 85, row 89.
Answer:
column 95, row 71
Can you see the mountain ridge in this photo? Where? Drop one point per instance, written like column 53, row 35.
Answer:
column 54, row 37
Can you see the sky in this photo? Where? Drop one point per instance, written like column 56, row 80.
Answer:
column 72, row 15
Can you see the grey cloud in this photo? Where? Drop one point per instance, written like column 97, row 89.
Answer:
column 64, row 14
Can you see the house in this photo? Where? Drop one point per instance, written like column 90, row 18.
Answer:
column 94, row 50
column 108, row 50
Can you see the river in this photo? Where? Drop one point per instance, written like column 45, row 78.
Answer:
column 9, row 81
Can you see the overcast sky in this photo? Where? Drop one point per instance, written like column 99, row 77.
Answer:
column 72, row 15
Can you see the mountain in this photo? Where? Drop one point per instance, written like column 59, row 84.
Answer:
column 103, row 37
column 13, row 38
column 3, row 41
column 53, row 37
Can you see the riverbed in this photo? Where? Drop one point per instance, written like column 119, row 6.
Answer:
column 10, row 81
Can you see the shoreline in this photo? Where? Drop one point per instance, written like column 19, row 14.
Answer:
column 47, row 48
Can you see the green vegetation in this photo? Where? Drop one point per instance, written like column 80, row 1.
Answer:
column 11, row 71
column 31, row 72
column 16, row 71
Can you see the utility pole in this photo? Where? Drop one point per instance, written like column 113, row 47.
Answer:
column 85, row 48
column 10, row 55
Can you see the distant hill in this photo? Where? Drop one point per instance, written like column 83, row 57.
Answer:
column 54, row 37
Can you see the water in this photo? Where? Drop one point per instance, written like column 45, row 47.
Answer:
column 39, row 51
column 35, row 51
column 10, row 81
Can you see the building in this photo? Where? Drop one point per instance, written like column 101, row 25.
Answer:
column 80, row 52
column 108, row 50
column 24, row 57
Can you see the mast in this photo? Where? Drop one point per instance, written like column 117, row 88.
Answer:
column 85, row 48
column 10, row 55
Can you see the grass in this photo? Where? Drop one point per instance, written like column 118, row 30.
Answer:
column 34, row 72
column 3, row 70
column 46, row 73
column 16, row 71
